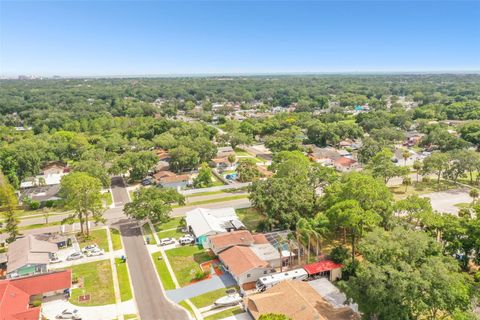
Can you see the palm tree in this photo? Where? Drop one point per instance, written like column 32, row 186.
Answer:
column 405, row 155
column 306, row 229
column 474, row 194
column 407, row 181
column 417, row 165
column 321, row 228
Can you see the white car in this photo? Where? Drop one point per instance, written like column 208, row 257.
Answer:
column 95, row 252
column 55, row 260
column 75, row 256
column 186, row 239
column 166, row 241
column 69, row 314
column 90, row 247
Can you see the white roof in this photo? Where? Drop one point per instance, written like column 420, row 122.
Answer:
column 50, row 180
column 266, row 252
column 211, row 221
column 331, row 293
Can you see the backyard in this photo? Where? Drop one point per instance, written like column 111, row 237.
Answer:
column 96, row 278
column 186, row 262
column 251, row 218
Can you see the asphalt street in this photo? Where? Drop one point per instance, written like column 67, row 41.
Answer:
column 151, row 300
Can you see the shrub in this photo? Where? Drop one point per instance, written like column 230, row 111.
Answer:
column 339, row 254
column 477, row 276
column 49, row 203
column 34, row 205
column 36, row 303
column 199, row 275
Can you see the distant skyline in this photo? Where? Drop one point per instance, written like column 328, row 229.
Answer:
column 124, row 38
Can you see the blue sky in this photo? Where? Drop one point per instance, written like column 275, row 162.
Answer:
column 177, row 37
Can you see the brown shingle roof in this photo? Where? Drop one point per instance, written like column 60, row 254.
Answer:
column 240, row 259
column 242, row 237
column 297, row 300
column 345, row 162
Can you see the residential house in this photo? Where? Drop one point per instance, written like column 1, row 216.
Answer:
column 45, row 186
column 220, row 242
column 344, row 164
column 27, row 256
column 17, row 295
column 298, row 300
column 56, row 238
column 324, row 156
column 245, row 265
column 208, row 222
column 168, row 179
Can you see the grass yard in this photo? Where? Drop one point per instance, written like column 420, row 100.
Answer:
column 196, row 203
column 170, row 224
column 98, row 236
column 162, row 270
column 241, row 152
column 187, row 307
column 216, row 182
column 224, row 314
column 130, row 317
column 251, row 217
column 97, row 282
column 419, row 188
column 185, row 262
column 170, row 234
column 209, row 298
column 123, row 280
column 116, row 239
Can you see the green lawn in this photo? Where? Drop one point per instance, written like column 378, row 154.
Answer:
column 170, row 224
column 162, row 270
column 116, row 239
column 123, row 280
column 170, row 234
column 187, row 306
column 419, row 188
column 251, row 217
column 216, row 182
column 209, row 298
column 241, row 152
column 130, row 317
column 98, row 236
column 196, row 203
column 224, row 314
column 185, row 262
column 97, row 282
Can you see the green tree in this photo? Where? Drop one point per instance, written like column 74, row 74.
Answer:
column 204, row 177
column 428, row 285
column 381, row 166
column 82, row 194
column 95, row 169
column 473, row 194
column 8, row 205
column 289, row 139
column 417, row 166
column 436, row 163
column 406, row 181
column 153, row 203
column 247, row 170
column 183, row 158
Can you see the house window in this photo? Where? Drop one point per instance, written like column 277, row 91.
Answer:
column 265, row 272
column 248, row 275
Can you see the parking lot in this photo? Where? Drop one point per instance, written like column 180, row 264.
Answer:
column 446, row 201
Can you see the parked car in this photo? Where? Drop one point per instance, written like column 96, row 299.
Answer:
column 166, row 241
column 90, row 247
column 75, row 256
column 69, row 314
column 147, row 182
column 186, row 239
column 55, row 260
column 95, row 252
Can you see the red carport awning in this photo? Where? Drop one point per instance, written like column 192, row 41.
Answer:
column 321, row 266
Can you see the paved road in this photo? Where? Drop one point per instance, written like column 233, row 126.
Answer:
column 445, row 201
column 119, row 191
column 151, row 300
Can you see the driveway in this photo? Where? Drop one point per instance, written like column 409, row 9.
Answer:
column 50, row 309
column 201, row 287
column 445, row 201
column 151, row 299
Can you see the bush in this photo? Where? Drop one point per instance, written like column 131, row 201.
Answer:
column 49, row 203
column 477, row 276
column 36, row 303
column 339, row 254
column 34, row 205
column 199, row 275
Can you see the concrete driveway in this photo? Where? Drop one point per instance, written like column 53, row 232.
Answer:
column 445, row 201
column 50, row 309
column 201, row 287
